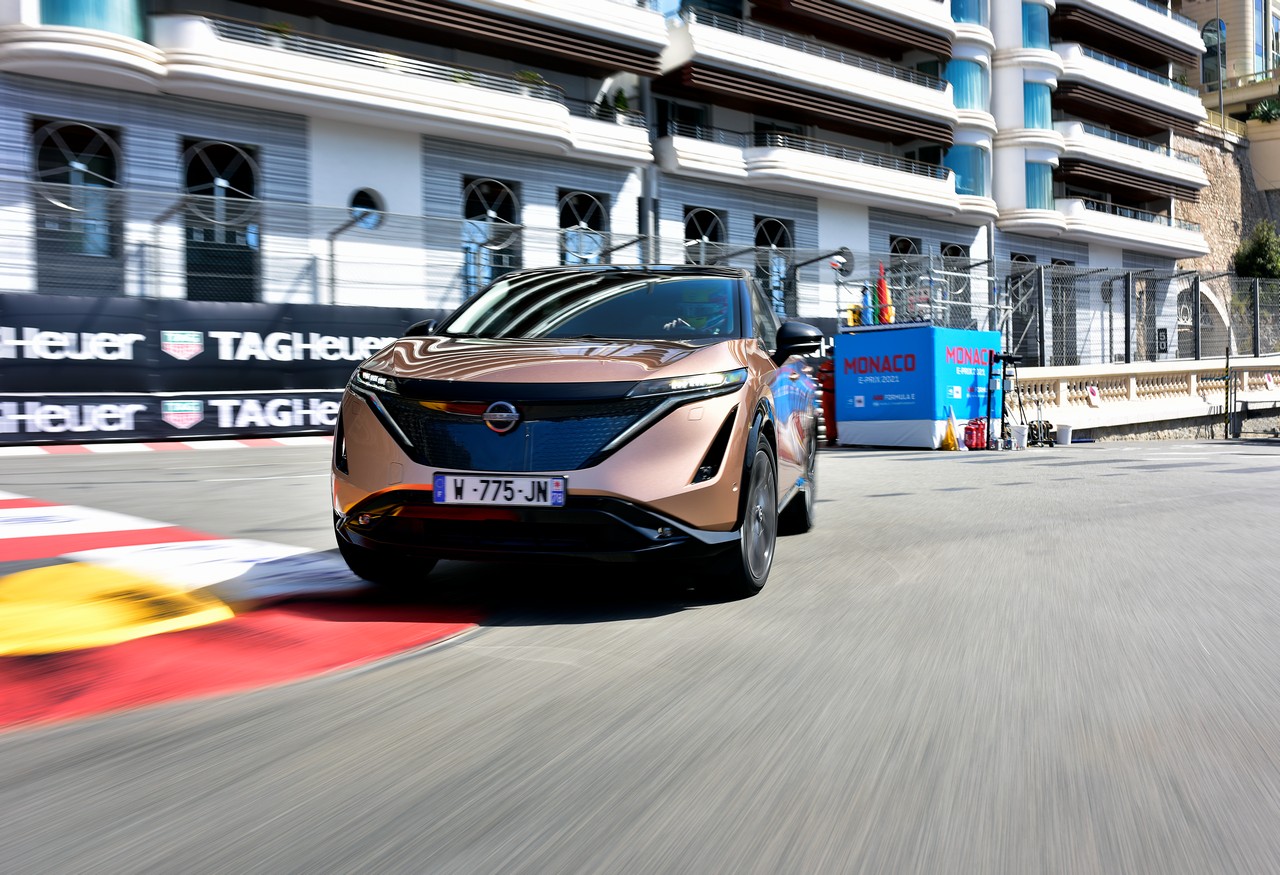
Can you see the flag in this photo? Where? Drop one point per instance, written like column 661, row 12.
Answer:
column 885, row 303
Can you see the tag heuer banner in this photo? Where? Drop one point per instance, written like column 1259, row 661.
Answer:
column 88, row 369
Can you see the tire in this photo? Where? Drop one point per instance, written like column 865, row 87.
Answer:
column 393, row 572
column 800, row 514
column 743, row 571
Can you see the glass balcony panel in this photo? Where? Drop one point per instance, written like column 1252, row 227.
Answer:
column 113, row 16
column 1035, row 26
column 970, row 86
column 1037, row 106
column 972, row 167
column 1039, row 186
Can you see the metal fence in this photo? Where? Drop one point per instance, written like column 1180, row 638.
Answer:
column 105, row 241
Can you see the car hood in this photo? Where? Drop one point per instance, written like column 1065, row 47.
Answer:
column 551, row 361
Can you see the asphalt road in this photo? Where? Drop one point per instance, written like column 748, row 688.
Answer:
column 1052, row 661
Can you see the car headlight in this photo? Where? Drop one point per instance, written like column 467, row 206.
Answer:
column 717, row 383
column 374, row 381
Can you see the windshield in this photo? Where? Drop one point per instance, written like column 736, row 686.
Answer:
column 614, row 304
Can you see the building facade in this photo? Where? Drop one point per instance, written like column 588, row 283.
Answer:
column 404, row 154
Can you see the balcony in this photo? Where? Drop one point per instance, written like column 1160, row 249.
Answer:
column 1097, row 86
column 802, row 165
column 1143, row 31
column 1091, row 221
column 594, row 39
column 77, row 54
column 887, row 28
column 217, row 59
column 745, row 65
column 1112, row 158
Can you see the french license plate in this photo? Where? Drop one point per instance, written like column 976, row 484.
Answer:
column 494, row 489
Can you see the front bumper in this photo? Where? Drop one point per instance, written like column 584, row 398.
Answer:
column 588, row 527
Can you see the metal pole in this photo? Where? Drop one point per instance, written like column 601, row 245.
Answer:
column 1257, row 315
column 1128, row 318
column 1040, row 319
column 1218, row 51
column 1195, row 316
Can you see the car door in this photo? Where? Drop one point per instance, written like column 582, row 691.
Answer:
column 792, row 392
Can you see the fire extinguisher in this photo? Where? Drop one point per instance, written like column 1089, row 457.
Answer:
column 975, row 434
column 827, row 386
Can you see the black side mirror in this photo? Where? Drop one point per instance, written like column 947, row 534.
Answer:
column 797, row 338
column 421, row 329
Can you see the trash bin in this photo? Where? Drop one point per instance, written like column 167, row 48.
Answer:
column 1019, row 436
column 1064, row 435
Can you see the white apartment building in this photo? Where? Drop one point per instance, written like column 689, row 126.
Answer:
column 402, row 153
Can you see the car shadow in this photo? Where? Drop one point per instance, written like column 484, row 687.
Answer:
column 537, row 594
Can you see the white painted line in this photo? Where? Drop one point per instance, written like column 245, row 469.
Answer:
column 278, row 477
column 237, row 569
column 22, row 451
column 35, row 522
column 117, row 448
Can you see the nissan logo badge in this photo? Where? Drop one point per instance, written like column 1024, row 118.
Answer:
column 501, row 417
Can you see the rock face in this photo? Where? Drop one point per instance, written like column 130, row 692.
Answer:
column 1231, row 206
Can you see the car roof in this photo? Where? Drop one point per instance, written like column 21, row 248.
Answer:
column 701, row 270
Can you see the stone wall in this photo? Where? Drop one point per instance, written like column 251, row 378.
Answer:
column 1231, row 206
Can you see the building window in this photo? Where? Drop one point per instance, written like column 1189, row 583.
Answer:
column 1260, row 40
column 490, row 231
column 970, row 87
column 366, row 209
column 704, row 235
column 584, row 223
column 677, row 119
column 972, row 167
column 1214, row 35
column 955, row 283
column 969, row 11
column 221, row 221
column 1035, row 26
column 76, row 169
column 774, row 243
column 1037, row 106
column 1039, row 186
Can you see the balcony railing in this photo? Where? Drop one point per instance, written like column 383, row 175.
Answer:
column 787, row 40
column 798, row 143
column 605, row 112
column 380, row 59
column 1140, row 215
column 1158, row 148
column 1137, row 71
column 1165, row 10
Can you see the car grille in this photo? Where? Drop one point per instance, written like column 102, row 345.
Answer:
column 551, row 436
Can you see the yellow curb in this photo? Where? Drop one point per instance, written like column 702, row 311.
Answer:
column 75, row 606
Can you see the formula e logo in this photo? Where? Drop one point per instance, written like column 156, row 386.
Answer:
column 182, row 414
column 184, row 345
column 501, row 417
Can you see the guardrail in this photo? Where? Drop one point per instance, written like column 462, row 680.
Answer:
column 1102, row 396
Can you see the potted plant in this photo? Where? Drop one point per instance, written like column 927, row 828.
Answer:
column 278, row 32
column 463, row 77
column 530, row 81
column 621, row 106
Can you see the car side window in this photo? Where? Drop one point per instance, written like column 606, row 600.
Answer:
column 764, row 321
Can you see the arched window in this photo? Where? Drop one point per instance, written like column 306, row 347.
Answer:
column 490, row 231
column 221, row 221
column 584, row 222
column 76, row 169
column 366, row 209
column 704, row 236
column 773, row 242
column 955, row 282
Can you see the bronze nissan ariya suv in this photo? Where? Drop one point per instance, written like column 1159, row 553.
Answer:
column 583, row 412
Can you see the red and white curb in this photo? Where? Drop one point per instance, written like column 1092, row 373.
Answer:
column 317, row 440
column 236, row 569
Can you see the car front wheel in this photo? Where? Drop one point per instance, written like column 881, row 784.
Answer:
column 745, row 570
column 389, row 571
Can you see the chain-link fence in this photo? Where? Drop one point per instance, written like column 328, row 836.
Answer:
column 80, row 240
column 59, row 239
